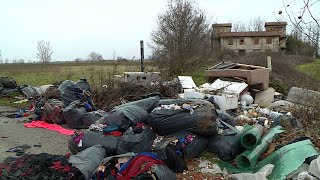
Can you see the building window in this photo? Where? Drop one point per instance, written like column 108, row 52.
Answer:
column 242, row 52
column 256, row 50
column 269, row 40
column 230, row 41
column 241, row 41
column 256, row 41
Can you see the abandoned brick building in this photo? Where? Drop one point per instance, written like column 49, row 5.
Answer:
column 273, row 39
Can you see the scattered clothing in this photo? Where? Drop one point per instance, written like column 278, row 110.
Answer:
column 19, row 150
column 110, row 128
column 97, row 127
column 52, row 127
column 113, row 133
column 39, row 166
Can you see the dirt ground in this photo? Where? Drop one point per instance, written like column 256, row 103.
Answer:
column 13, row 133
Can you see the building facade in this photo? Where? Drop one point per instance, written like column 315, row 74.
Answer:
column 273, row 39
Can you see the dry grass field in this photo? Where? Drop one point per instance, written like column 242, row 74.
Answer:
column 95, row 72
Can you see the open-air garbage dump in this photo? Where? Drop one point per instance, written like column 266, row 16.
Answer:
column 235, row 117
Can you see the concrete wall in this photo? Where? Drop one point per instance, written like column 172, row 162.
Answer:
column 249, row 45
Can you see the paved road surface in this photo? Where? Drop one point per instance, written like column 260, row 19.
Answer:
column 13, row 133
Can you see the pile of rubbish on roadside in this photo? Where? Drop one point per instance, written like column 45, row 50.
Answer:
column 236, row 117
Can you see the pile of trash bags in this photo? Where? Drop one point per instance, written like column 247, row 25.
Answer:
column 153, row 138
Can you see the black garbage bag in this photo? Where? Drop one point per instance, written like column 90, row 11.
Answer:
column 77, row 117
column 39, row 103
column 70, row 94
column 125, row 117
column 225, row 148
column 226, row 117
column 83, row 84
column 169, row 121
column 147, row 104
column 171, row 154
column 8, row 91
column 136, row 139
column 8, row 82
column 29, row 91
column 194, row 144
column 91, row 138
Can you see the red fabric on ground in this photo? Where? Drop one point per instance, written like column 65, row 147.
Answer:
column 52, row 127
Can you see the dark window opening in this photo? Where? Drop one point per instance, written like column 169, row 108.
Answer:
column 241, row 41
column 256, row 41
column 230, row 41
column 269, row 40
column 242, row 52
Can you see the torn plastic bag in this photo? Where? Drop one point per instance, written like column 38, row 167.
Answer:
column 52, row 111
column 225, row 148
column 91, row 138
column 200, row 120
column 194, row 144
column 88, row 160
column 8, row 82
column 136, row 140
column 77, row 117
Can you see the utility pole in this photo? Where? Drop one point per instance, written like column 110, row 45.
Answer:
column 142, row 55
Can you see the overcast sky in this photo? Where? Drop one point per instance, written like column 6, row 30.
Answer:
column 77, row 27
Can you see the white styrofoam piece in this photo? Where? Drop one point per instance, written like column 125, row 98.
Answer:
column 187, row 82
column 229, row 87
column 194, row 95
column 226, row 101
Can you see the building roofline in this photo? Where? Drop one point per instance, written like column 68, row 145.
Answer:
column 222, row 25
column 275, row 23
column 249, row 34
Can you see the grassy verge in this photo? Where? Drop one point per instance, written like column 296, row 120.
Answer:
column 312, row 69
column 41, row 74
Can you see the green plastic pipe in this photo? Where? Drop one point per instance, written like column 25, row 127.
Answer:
column 249, row 158
column 252, row 137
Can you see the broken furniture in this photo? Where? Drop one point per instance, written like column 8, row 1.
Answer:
column 252, row 75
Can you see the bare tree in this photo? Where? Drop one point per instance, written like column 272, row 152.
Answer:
column 256, row 24
column 307, row 20
column 182, row 38
column 0, row 58
column 94, row 56
column 44, row 51
column 239, row 27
